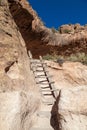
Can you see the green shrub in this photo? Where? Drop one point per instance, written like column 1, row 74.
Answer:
column 47, row 57
column 79, row 57
column 53, row 56
column 67, row 31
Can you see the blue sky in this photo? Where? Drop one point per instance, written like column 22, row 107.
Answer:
column 55, row 13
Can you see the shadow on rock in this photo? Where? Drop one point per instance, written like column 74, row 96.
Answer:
column 54, row 121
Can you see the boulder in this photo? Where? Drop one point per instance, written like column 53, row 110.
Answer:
column 72, row 109
column 17, row 110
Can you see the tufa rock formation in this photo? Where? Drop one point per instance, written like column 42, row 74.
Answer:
column 19, row 97
column 21, row 30
column 72, row 109
column 71, row 81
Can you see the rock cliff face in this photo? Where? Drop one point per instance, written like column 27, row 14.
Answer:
column 39, row 39
column 17, row 84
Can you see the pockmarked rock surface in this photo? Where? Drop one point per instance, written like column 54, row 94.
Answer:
column 71, row 81
column 19, row 96
column 70, row 74
column 17, row 110
column 72, row 109
column 14, row 61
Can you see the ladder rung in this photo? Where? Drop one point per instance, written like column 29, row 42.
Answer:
column 37, row 62
column 38, row 70
column 40, row 76
column 48, row 102
column 49, row 83
column 41, row 65
column 41, row 71
column 33, row 66
column 44, row 87
column 42, row 81
column 51, row 90
column 44, row 113
column 43, row 76
column 47, row 94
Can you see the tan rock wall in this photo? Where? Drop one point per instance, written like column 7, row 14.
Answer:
column 13, row 54
column 18, row 91
column 17, row 110
column 72, row 108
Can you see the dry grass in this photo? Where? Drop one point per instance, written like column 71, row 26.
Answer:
column 78, row 57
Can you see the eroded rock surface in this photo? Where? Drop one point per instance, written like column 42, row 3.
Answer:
column 72, row 108
column 17, row 110
column 17, row 85
column 70, row 74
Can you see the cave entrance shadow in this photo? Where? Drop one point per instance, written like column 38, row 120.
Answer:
column 33, row 40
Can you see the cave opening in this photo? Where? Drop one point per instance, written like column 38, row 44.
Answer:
column 23, row 20
column 33, row 39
